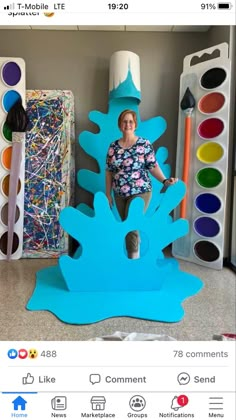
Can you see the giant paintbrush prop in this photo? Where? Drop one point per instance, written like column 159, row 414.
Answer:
column 187, row 105
column 17, row 121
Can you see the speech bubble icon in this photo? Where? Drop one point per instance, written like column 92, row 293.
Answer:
column 95, row 378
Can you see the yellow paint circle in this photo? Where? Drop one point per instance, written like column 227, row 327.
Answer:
column 210, row 152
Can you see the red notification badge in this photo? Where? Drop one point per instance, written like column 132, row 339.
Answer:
column 182, row 400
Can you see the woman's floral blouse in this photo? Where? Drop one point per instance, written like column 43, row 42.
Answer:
column 130, row 167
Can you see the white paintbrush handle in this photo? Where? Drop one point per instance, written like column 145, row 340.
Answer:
column 16, row 157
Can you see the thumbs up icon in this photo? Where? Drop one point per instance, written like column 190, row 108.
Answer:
column 29, row 379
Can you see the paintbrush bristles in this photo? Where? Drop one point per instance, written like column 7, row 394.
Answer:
column 188, row 101
column 17, row 119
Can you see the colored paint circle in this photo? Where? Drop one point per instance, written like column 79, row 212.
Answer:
column 206, row 226
column 206, row 251
column 6, row 157
column 207, row 203
column 210, row 152
column 11, row 73
column 212, row 102
column 209, row 177
column 9, row 99
column 3, row 243
column 6, row 131
column 4, row 214
column 210, row 128
column 5, row 185
column 213, row 78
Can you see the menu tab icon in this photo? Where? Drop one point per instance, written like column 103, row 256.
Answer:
column 216, row 403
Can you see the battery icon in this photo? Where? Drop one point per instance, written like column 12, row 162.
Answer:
column 224, row 6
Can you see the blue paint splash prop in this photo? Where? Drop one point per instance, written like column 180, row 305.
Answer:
column 103, row 282
column 100, row 282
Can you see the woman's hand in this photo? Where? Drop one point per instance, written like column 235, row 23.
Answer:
column 170, row 181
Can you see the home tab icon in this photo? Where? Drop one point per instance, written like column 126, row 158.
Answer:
column 19, row 402
column 98, row 403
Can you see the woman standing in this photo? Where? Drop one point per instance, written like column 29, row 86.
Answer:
column 129, row 161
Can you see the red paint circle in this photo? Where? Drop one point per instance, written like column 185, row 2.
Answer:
column 182, row 400
column 210, row 128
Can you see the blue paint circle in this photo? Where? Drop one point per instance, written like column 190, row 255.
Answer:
column 206, row 226
column 11, row 73
column 207, row 203
column 9, row 99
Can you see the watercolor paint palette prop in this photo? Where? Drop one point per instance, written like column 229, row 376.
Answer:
column 93, row 287
column 12, row 88
column 49, row 171
column 209, row 82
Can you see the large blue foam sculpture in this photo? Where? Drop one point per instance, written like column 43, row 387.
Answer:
column 100, row 281
column 103, row 282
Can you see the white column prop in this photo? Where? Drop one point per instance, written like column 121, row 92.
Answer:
column 124, row 76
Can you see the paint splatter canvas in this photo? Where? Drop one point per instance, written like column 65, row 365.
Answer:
column 49, row 171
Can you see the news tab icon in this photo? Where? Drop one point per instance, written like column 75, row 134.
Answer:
column 59, row 403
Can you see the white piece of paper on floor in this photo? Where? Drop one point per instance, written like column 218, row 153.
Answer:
column 134, row 336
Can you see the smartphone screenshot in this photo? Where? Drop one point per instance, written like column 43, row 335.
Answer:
column 117, row 210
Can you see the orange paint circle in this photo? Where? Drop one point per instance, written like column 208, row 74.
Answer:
column 5, row 185
column 6, row 157
column 212, row 102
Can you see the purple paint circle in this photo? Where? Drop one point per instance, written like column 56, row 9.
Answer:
column 206, row 251
column 206, row 226
column 210, row 128
column 9, row 99
column 11, row 73
column 207, row 203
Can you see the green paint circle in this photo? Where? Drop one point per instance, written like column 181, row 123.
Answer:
column 209, row 177
column 7, row 133
column 210, row 152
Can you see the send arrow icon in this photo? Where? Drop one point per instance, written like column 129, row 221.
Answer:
column 19, row 402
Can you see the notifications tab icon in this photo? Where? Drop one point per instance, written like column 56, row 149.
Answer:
column 59, row 403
